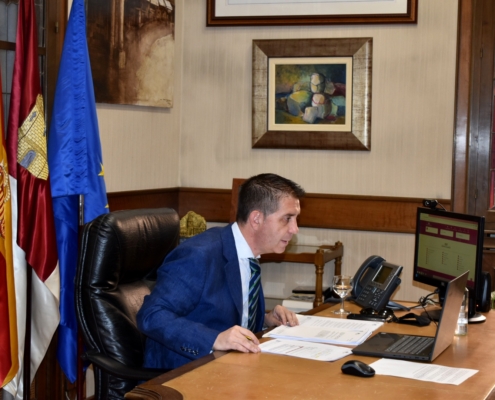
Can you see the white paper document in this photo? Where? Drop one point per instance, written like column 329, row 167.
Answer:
column 338, row 323
column 422, row 372
column 326, row 330
column 311, row 351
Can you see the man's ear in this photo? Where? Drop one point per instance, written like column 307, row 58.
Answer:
column 256, row 219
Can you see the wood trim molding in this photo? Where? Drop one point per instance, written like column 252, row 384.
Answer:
column 361, row 213
column 213, row 204
column 462, row 106
column 154, row 198
column 347, row 212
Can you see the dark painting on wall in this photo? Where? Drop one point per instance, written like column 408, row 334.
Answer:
column 131, row 47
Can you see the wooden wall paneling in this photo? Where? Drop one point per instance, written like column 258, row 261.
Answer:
column 365, row 213
column 361, row 213
column 55, row 25
column 462, row 105
column 212, row 204
column 155, row 198
column 481, row 74
column 50, row 382
column 482, row 77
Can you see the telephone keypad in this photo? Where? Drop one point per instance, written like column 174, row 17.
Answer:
column 371, row 295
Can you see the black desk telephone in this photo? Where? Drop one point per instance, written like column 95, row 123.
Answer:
column 375, row 282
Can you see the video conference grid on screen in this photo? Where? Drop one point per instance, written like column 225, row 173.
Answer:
column 445, row 245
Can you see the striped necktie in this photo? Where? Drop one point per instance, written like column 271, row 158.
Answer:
column 254, row 291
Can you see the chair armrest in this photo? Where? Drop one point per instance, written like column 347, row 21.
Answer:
column 116, row 368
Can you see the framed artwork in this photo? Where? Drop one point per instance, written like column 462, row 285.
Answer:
column 309, row 12
column 312, row 94
column 131, row 47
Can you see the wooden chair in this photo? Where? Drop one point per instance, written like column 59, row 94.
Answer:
column 317, row 255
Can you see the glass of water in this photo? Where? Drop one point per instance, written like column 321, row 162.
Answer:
column 342, row 285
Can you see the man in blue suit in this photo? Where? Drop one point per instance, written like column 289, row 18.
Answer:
column 200, row 301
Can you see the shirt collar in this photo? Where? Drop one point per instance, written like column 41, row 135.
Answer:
column 242, row 247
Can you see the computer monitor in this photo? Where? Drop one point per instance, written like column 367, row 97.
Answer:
column 446, row 245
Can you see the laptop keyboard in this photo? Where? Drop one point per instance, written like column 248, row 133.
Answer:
column 410, row 345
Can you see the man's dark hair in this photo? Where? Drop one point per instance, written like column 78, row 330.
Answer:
column 263, row 192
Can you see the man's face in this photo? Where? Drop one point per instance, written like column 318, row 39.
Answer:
column 276, row 230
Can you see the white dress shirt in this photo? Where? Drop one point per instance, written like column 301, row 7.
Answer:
column 244, row 253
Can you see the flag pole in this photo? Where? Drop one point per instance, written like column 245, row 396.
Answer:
column 80, row 345
column 26, row 376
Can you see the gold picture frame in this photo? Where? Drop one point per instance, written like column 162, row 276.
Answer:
column 338, row 128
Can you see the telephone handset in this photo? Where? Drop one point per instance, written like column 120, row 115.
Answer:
column 375, row 282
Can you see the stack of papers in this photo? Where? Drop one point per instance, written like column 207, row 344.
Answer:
column 326, row 330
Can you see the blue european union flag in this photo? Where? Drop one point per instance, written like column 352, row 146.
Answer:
column 76, row 168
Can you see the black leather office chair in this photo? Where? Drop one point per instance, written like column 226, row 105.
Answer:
column 120, row 253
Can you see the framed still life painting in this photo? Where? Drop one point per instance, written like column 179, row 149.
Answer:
column 312, row 94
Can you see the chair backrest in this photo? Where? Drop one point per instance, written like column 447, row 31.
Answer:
column 234, row 199
column 120, row 253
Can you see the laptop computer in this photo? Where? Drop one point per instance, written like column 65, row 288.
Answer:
column 415, row 347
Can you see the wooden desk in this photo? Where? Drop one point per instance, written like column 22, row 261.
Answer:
column 318, row 256
column 252, row 376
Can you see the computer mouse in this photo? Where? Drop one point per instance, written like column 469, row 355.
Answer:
column 357, row 368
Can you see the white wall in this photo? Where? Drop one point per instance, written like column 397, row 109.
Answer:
column 412, row 109
column 205, row 139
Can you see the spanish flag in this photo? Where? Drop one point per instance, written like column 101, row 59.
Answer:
column 8, row 322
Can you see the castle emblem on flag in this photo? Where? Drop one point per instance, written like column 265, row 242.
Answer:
column 31, row 152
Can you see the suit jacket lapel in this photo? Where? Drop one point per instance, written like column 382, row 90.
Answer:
column 232, row 268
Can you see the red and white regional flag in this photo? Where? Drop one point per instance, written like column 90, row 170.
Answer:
column 32, row 214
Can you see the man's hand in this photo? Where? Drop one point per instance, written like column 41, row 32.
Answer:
column 281, row 316
column 237, row 338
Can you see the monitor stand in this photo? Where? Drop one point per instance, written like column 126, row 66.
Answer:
column 476, row 318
